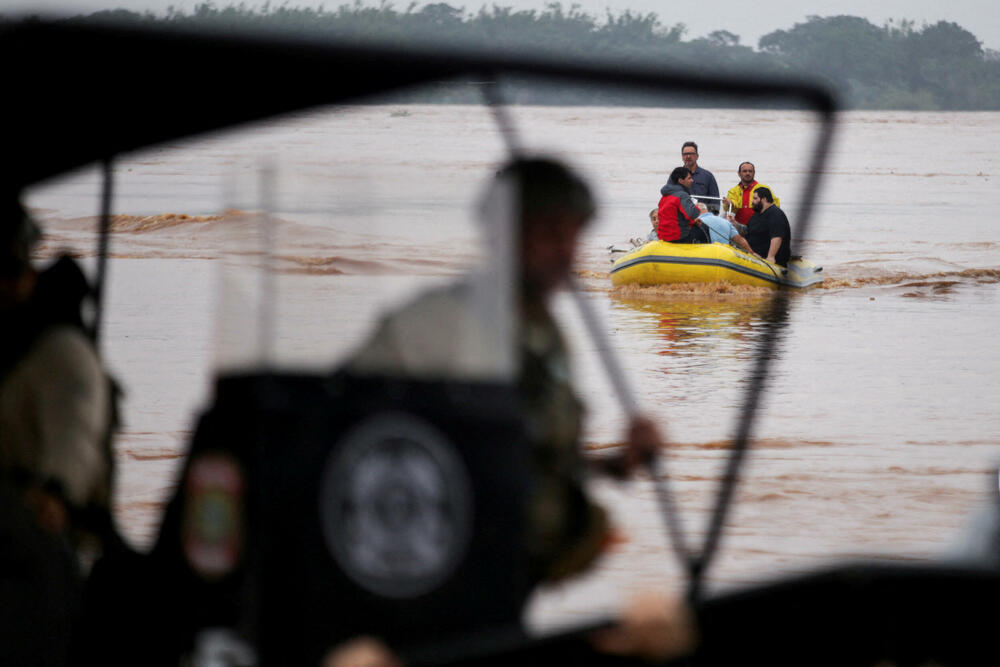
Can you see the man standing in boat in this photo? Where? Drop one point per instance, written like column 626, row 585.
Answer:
column 677, row 212
column 769, row 233
column 741, row 194
column 704, row 182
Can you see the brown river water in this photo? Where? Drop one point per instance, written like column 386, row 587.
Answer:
column 878, row 433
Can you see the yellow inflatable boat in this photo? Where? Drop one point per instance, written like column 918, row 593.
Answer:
column 659, row 262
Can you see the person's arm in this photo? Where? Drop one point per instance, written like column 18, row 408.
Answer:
column 361, row 652
column 643, row 441
column 653, row 626
column 742, row 243
column 772, row 251
column 713, row 191
column 690, row 211
column 71, row 406
column 735, row 197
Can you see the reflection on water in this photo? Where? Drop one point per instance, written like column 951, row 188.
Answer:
column 712, row 320
column 708, row 334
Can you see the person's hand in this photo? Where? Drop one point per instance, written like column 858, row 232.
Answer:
column 643, row 444
column 652, row 627
column 361, row 652
column 49, row 510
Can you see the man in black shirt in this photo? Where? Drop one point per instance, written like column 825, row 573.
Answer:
column 769, row 233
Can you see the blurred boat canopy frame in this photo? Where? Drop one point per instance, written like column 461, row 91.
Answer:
column 71, row 103
column 67, row 87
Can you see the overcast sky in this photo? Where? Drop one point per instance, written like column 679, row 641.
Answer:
column 748, row 19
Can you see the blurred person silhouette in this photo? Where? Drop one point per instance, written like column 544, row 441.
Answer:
column 56, row 419
column 567, row 530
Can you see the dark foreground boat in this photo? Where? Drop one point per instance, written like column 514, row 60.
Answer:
column 273, row 581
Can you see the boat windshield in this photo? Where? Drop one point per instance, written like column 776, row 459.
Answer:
column 285, row 244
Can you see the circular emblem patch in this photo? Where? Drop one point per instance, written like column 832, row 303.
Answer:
column 396, row 505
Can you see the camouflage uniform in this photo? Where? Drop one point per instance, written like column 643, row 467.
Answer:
column 566, row 529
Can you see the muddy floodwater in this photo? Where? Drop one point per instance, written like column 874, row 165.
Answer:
column 878, row 431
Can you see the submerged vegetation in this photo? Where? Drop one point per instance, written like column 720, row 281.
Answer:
column 896, row 66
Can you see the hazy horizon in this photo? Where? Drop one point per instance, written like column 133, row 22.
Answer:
column 749, row 22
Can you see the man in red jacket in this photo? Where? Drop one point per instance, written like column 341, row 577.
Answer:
column 677, row 211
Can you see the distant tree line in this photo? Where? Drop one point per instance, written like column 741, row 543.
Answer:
column 896, row 66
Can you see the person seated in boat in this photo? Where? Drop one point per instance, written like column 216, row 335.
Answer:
column 677, row 212
column 769, row 233
column 640, row 241
column 721, row 230
column 654, row 221
column 741, row 194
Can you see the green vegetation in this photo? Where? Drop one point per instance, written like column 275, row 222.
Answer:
column 898, row 66
column 895, row 66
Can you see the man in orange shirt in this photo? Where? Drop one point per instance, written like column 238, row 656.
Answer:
column 741, row 194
